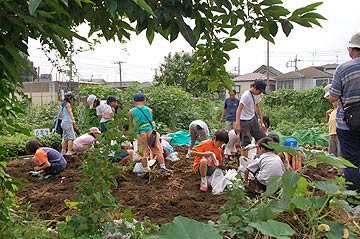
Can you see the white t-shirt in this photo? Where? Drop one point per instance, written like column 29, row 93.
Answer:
column 248, row 111
column 105, row 111
column 269, row 164
column 203, row 125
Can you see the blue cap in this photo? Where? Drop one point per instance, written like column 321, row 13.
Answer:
column 139, row 97
column 291, row 142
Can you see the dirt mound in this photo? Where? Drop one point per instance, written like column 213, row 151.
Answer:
column 161, row 198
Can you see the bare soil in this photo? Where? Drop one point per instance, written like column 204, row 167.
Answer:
column 161, row 198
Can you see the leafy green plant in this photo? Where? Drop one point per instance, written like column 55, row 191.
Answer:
column 291, row 205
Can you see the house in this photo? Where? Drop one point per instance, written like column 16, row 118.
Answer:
column 243, row 82
column 306, row 78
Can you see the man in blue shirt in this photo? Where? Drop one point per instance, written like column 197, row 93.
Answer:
column 229, row 111
column 346, row 87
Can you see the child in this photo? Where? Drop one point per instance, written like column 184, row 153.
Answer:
column 105, row 112
column 169, row 152
column 268, row 165
column 68, row 124
column 198, row 130
column 330, row 118
column 230, row 149
column 86, row 141
column 294, row 161
column 208, row 155
column 127, row 153
column 276, row 139
column 47, row 160
column 141, row 118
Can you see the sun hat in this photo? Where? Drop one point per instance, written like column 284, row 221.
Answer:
column 94, row 130
column 69, row 95
column 355, row 41
column 327, row 90
column 91, row 99
column 260, row 85
column 291, row 142
column 139, row 97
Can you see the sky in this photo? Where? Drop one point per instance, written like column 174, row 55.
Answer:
column 140, row 60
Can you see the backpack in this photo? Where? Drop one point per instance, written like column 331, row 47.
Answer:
column 57, row 120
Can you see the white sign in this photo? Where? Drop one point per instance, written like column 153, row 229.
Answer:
column 42, row 132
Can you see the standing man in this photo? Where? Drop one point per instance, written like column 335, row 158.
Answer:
column 246, row 121
column 229, row 111
column 346, row 88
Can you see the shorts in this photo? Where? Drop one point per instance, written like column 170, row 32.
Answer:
column 119, row 157
column 209, row 171
column 68, row 131
column 143, row 140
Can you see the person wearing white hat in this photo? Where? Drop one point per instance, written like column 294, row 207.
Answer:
column 345, row 88
column 86, row 141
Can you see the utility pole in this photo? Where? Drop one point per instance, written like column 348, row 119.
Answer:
column 119, row 63
column 156, row 71
column 238, row 67
column 290, row 63
column 267, row 63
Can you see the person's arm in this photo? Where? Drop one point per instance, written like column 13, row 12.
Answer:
column 223, row 113
column 258, row 111
column 43, row 166
column 238, row 113
column 246, row 175
column 327, row 115
column 131, row 123
column 69, row 110
column 203, row 154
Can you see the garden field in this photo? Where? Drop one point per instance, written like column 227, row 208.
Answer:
column 159, row 197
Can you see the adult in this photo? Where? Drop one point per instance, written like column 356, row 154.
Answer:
column 247, row 123
column 230, row 106
column 67, row 124
column 198, row 130
column 345, row 87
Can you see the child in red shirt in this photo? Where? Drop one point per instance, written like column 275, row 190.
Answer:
column 208, row 155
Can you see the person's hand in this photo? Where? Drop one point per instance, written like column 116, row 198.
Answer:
column 37, row 168
column 237, row 129
column 329, row 111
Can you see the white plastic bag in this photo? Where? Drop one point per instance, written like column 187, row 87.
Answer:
column 138, row 168
column 218, row 181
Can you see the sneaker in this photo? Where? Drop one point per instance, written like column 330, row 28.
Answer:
column 68, row 153
column 63, row 152
column 165, row 170
column 203, row 187
column 45, row 177
column 188, row 155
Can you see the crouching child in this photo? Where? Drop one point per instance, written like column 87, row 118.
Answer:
column 208, row 155
column 49, row 162
column 268, row 165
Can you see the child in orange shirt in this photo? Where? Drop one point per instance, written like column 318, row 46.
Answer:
column 208, row 155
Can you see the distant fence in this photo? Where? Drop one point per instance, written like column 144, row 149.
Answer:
column 40, row 98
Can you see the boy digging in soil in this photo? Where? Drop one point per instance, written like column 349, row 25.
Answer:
column 208, row 156
column 47, row 160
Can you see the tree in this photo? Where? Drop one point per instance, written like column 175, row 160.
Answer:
column 215, row 24
column 175, row 71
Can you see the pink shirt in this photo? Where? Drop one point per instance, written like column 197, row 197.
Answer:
column 83, row 142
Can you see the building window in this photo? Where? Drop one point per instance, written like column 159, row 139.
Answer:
column 322, row 82
column 237, row 88
column 288, row 84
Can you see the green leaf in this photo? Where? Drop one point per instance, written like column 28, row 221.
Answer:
column 337, row 230
column 322, row 157
column 289, row 182
column 112, row 6
column 182, row 227
column 150, row 34
column 273, row 28
column 273, row 185
column 286, row 26
column 228, row 46
column 274, row 229
column 33, row 5
column 301, row 202
column 142, row 4
column 271, row 2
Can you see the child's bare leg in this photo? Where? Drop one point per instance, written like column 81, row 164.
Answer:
column 203, row 167
column 126, row 160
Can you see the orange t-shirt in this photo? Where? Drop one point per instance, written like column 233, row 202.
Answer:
column 41, row 156
column 204, row 146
